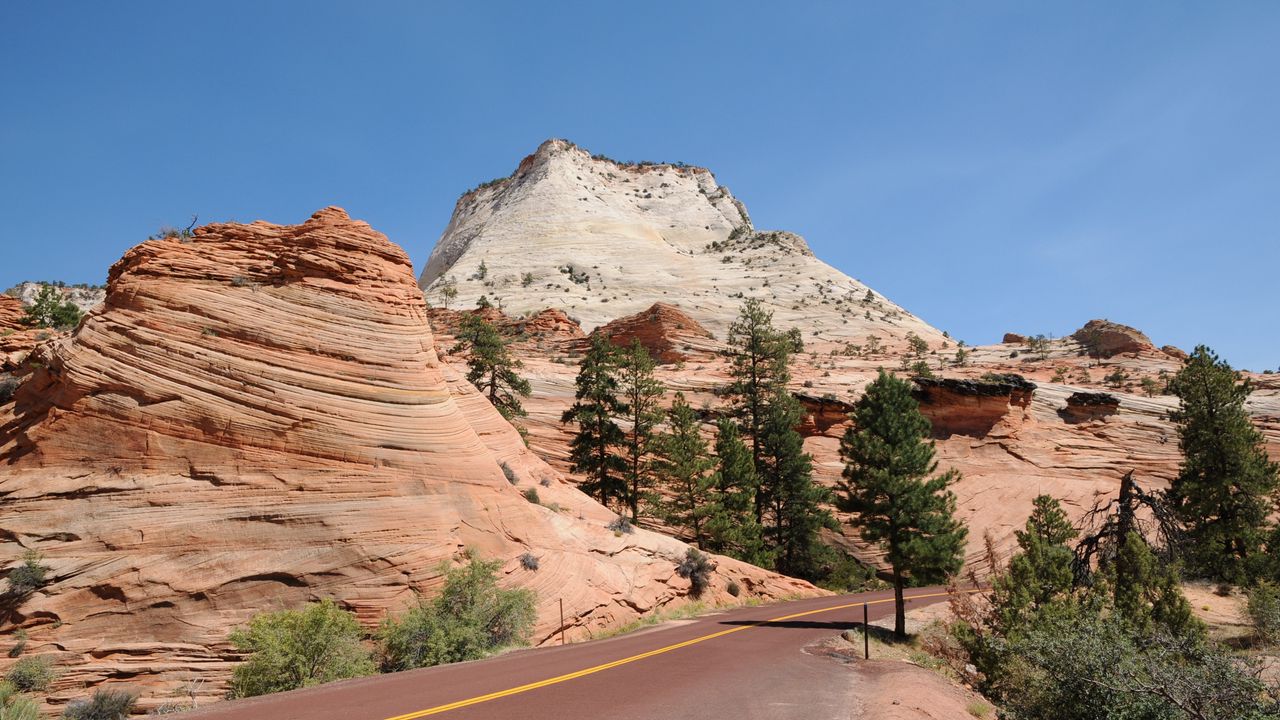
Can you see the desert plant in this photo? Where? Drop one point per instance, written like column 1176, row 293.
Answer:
column 1264, row 611
column 529, row 561
column 733, row 588
column 621, row 525
column 14, row 706
column 291, row 649
column 106, row 704
column 470, row 618
column 531, row 494
column 8, row 388
column 31, row 674
column 510, row 474
column 51, row 310
column 526, row 279
column 697, row 568
column 27, row 577
column 19, row 643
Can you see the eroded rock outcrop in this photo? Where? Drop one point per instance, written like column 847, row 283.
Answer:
column 1086, row 406
column 957, row 406
column 1105, row 338
column 17, row 339
column 257, row 417
column 666, row 331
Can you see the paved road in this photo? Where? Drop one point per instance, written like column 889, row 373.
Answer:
column 740, row 664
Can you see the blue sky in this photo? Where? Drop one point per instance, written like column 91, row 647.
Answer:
column 991, row 166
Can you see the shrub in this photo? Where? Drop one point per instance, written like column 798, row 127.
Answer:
column 531, row 494
column 470, row 618
column 19, row 644
column 526, row 279
column 734, row 588
column 27, row 577
column 621, row 525
column 511, row 474
column 16, row 707
column 51, row 310
column 697, row 568
column 291, row 649
column 8, row 386
column 1264, row 611
column 529, row 561
column 31, row 674
column 106, row 704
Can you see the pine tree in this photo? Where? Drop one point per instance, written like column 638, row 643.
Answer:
column 641, row 393
column 684, row 469
column 760, row 355
column 1225, row 488
column 592, row 450
column 887, row 485
column 1147, row 594
column 51, row 310
column 490, row 366
column 1041, row 571
column 732, row 528
column 795, row 508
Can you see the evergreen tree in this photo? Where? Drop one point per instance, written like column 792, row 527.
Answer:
column 760, row 354
column 50, row 310
column 641, row 394
column 685, row 470
column 490, row 366
column 592, row 450
column 1146, row 592
column 732, row 527
column 887, row 485
column 796, row 513
column 1041, row 571
column 1225, row 488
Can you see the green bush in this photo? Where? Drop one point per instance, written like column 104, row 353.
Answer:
column 292, row 649
column 697, row 568
column 469, row 619
column 27, row 577
column 31, row 674
column 50, row 310
column 106, row 704
column 1264, row 610
column 14, row 706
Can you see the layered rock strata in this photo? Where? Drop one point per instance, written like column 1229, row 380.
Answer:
column 256, row 418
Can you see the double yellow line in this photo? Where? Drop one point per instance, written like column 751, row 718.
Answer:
column 606, row 666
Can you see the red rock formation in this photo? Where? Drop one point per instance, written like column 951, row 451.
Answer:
column 16, row 338
column 550, row 324
column 1174, row 352
column 1105, row 338
column 821, row 413
column 1014, row 339
column 664, row 330
column 255, row 418
column 972, row 407
column 1086, row 406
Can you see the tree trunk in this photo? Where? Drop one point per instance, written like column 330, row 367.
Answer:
column 899, row 608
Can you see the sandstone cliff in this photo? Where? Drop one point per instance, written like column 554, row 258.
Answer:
column 600, row 240
column 256, row 417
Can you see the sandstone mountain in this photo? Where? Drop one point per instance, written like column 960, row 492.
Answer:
column 604, row 241
column 601, row 239
column 256, row 417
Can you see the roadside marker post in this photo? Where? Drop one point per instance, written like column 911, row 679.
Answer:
column 561, row 621
column 866, row 635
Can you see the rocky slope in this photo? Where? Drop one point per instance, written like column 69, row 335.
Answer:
column 256, row 417
column 604, row 241
column 600, row 240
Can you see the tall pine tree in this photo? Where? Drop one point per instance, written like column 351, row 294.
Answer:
column 593, row 449
column 732, row 527
column 759, row 356
column 795, row 506
column 490, row 366
column 1226, row 486
column 684, row 468
column 888, row 488
column 641, row 394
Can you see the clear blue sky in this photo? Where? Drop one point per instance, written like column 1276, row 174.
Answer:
column 991, row 166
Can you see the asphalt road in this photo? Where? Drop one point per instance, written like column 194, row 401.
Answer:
column 743, row 664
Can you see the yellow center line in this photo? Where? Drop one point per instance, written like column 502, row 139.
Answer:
column 606, row 666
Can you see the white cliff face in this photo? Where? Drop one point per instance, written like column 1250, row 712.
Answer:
column 600, row 240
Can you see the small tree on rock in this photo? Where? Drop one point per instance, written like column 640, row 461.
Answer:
column 640, row 394
column 491, row 368
column 592, row 450
column 684, row 469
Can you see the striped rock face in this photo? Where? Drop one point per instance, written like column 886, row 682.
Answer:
column 256, row 417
